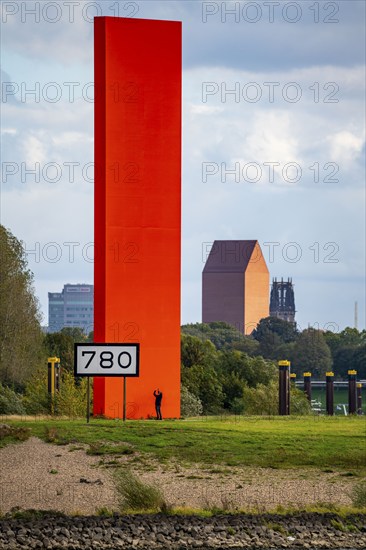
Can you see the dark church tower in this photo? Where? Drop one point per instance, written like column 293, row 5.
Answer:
column 282, row 303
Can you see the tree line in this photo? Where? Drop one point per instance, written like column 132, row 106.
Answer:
column 311, row 350
column 222, row 369
column 232, row 371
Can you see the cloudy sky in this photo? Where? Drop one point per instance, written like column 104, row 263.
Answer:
column 273, row 141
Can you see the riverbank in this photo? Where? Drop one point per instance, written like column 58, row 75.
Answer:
column 177, row 532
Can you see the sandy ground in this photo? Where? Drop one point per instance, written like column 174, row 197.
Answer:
column 43, row 476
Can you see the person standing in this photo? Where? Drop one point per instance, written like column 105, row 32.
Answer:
column 158, row 397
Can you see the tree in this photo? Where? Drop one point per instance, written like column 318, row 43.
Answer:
column 311, row 353
column 196, row 352
column 270, row 343
column 204, row 383
column 359, row 361
column 76, row 333
column 223, row 336
column 286, row 331
column 334, row 341
column 251, row 370
column 61, row 344
column 285, row 351
column 275, row 336
column 232, row 387
column 347, row 338
column 348, row 351
column 20, row 319
column 350, row 358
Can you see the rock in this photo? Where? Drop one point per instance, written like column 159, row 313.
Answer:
column 177, row 532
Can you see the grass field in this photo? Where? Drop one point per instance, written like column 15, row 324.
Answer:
column 275, row 442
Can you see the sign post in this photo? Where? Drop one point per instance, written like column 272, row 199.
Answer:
column 88, row 401
column 106, row 360
column 124, row 399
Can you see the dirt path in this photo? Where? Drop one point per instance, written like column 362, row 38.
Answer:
column 43, row 476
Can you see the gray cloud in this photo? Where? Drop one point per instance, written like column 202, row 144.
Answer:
column 309, row 213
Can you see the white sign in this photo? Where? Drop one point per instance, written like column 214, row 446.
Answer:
column 106, row 359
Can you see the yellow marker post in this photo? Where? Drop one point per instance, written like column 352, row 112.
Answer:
column 352, row 394
column 52, row 361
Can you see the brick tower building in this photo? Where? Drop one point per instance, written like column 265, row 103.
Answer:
column 235, row 285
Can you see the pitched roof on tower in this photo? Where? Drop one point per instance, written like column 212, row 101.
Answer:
column 229, row 256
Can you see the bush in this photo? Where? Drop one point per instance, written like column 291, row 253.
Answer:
column 261, row 400
column 190, row 405
column 36, row 399
column 264, row 400
column 135, row 495
column 204, row 382
column 12, row 433
column 358, row 495
column 237, row 405
column 299, row 403
column 10, row 401
column 70, row 400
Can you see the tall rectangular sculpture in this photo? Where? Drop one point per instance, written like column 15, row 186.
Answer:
column 138, row 207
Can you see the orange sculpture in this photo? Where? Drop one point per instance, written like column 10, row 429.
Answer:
column 138, row 208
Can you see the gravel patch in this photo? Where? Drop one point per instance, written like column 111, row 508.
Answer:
column 236, row 488
column 38, row 475
column 43, row 476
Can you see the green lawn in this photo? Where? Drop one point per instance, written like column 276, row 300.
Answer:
column 287, row 442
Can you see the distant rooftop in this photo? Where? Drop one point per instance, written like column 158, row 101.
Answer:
column 229, row 256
